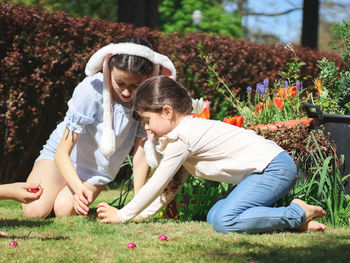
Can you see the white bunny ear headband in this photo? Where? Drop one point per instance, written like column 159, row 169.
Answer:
column 99, row 60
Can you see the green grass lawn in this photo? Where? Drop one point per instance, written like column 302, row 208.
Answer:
column 84, row 239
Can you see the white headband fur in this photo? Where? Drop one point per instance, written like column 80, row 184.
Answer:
column 100, row 60
column 95, row 62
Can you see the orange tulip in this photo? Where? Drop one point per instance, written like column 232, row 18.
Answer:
column 205, row 114
column 318, row 85
column 284, row 92
column 237, row 120
column 278, row 102
column 292, row 91
column 260, row 106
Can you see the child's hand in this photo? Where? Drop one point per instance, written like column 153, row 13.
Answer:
column 24, row 192
column 81, row 200
column 109, row 213
column 3, row 234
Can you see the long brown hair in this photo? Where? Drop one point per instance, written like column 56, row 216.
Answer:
column 158, row 91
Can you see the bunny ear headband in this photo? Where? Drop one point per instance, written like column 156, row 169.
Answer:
column 100, row 59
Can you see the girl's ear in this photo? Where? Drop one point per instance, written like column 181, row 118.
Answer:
column 168, row 112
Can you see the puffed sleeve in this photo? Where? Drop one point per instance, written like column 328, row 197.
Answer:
column 83, row 106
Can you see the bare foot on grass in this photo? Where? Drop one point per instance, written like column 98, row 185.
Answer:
column 312, row 226
column 311, row 211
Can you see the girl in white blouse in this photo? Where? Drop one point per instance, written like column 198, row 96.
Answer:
column 217, row 151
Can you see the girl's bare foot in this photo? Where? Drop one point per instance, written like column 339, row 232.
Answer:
column 312, row 226
column 311, row 211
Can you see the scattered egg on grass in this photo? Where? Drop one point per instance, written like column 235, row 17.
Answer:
column 163, row 238
column 131, row 245
column 13, row 243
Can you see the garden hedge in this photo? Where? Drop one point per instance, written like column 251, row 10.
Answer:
column 43, row 56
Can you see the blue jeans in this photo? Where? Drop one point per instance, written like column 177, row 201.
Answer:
column 246, row 208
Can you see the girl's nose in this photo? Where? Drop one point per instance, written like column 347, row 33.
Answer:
column 126, row 93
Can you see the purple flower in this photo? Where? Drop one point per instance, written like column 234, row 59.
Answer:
column 298, row 85
column 249, row 89
column 285, row 84
column 266, row 83
column 260, row 88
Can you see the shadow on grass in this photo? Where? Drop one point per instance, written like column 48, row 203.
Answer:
column 42, row 238
column 92, row 215
column 27, row 223
column 332, row 249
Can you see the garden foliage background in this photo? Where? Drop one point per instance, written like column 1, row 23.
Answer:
column 43, row 56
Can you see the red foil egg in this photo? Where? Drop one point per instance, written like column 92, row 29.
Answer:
column 163, row 238
column 13, row 243
column 131, row 245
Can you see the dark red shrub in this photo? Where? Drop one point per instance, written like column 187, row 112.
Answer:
column 43, row 56
column 240, row 63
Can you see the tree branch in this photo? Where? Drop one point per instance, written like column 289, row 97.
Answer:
column 272, row 14
column 330, row 4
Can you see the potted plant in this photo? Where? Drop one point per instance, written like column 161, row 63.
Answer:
column 331, row 105
column 272, row 104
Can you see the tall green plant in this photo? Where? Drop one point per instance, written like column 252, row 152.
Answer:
column 124, row 187
column 325, row 186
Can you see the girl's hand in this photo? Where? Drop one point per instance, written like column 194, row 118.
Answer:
column 81, row 200
column 3, row 234
column 108, row 213
column 23, row 192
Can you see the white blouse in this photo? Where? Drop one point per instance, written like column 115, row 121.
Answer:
column 208, row 149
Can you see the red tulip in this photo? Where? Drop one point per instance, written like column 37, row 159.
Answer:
column 237, row 120
column 260, row 106
column 282, row 93
column 278, row 102
column 292, row 91
column 205, row 114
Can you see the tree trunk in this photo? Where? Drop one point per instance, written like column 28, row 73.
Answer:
column 138, row 12
column 309, row 34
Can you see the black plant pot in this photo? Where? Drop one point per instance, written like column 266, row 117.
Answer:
column 339, row 128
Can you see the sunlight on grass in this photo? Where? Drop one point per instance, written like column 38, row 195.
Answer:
column 84, row 239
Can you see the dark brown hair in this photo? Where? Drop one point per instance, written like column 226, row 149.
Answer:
column 131, row 63
column 158, row 91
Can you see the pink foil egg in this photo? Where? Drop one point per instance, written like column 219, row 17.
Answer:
column 131, row 245
column 34, row 190
column 13, row 243
column 163, row 238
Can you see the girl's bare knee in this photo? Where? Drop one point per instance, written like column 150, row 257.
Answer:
column 35, row 211
column 62, row 209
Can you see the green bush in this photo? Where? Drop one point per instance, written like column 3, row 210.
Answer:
column 335, row 94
